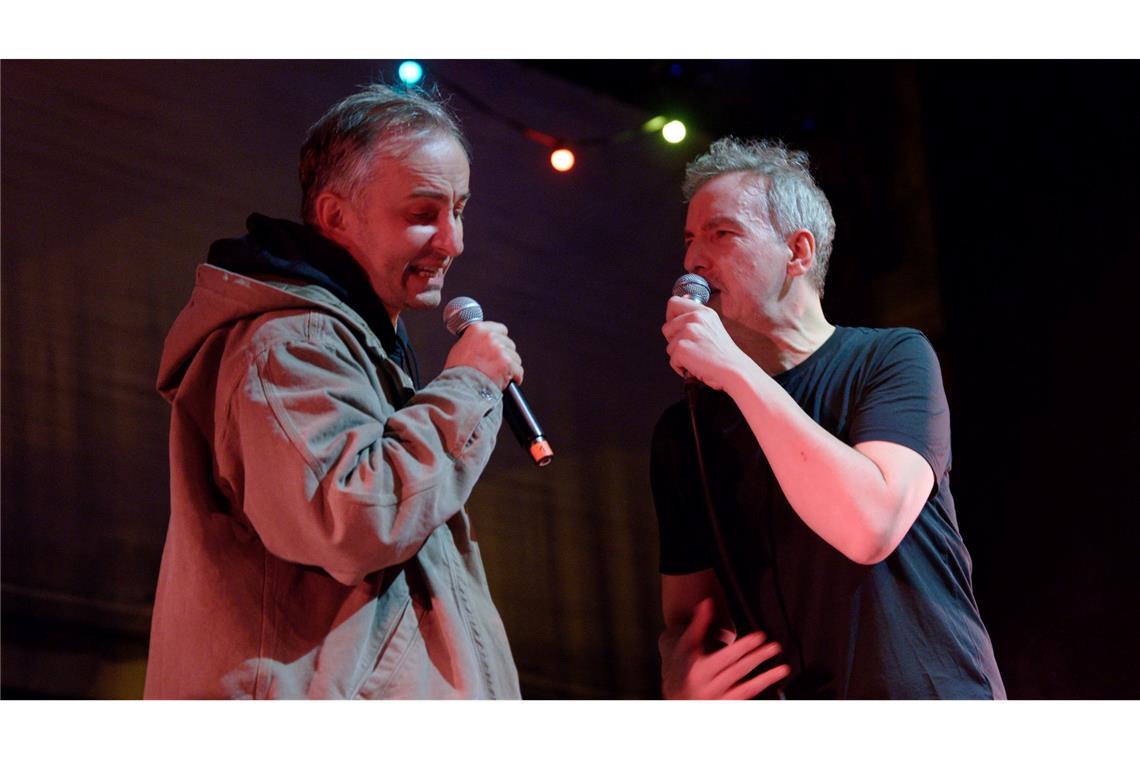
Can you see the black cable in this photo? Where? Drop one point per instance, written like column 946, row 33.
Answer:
column 691, row 388
column 726, row 561
column 793, row 634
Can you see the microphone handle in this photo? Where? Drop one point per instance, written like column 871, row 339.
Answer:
column 690, row 381
column 525, row 426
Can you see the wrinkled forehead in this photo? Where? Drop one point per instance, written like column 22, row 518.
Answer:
column 399, row 144
column 740, row 194
column 435, row 162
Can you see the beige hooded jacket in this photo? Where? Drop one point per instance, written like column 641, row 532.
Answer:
column 317, row 545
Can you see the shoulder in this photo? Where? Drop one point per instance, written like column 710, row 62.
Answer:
column 907, row 345
column 304, row 326
column 878, row 338
column 908, row 337
column 884, row 346
column 294, row 348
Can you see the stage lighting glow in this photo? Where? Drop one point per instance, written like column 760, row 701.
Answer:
column 562, row 160
column 673, row 132
column 410, row 72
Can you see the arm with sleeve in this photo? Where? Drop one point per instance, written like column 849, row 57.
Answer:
column 332, row 476
column 860, row 498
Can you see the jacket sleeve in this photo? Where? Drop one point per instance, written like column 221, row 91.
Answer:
column 331, row 476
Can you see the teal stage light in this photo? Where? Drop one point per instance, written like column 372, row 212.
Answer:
column 410, row 72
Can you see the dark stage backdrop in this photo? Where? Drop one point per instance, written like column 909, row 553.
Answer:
column 118, row 174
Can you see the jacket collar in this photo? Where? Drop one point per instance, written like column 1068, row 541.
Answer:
column 283, row 249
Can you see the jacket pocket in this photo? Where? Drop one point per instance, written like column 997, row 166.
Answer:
column 396, row 635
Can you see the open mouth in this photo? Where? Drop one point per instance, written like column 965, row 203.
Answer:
column 429, row 273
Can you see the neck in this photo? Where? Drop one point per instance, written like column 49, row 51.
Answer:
column 780, row 341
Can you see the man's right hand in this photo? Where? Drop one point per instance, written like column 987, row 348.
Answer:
column 486, row 347
column 690, row 671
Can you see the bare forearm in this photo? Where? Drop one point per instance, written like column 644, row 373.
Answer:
column 861, row 499
column 837, row 491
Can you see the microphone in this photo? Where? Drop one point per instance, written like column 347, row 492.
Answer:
column 695, row 288
column 459, row 314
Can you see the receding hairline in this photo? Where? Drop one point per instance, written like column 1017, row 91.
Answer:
column 753, row 179
column 753, row 184
column 401, row 146
column 360, row 190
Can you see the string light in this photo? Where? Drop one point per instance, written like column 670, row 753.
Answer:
column 410, row 72
column 673, row 132
column 562, row 159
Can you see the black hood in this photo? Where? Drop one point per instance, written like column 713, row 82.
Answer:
column 282, row 248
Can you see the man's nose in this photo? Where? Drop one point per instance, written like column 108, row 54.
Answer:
column 695, row 260
column 449, row 238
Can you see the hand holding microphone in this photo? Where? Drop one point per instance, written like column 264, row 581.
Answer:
column 699, row 348
column 692, row 287
column 486, row 347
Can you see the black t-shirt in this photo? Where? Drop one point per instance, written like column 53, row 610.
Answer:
column 906, row 627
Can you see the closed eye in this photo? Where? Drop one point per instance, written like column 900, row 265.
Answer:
column 423, row 215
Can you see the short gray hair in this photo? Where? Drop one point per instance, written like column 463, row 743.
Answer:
column 339, row 148
column 794, row 201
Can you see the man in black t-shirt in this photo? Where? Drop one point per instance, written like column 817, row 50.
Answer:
column 831, row 564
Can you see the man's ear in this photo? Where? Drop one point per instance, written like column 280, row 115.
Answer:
column 335, row 218
column 801, row 249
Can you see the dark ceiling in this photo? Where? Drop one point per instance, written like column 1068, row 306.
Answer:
column 785, row 98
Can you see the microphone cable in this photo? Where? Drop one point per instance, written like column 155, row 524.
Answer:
column 691, row 389
column 696, row 288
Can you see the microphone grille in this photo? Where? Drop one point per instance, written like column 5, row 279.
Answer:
column 693, row 287
column 460, row 313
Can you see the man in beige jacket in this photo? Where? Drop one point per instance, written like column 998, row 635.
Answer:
column 318, row 546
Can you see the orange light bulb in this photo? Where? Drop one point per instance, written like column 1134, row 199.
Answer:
column 562, row 160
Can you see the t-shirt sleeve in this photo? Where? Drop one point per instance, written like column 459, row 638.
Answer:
column 683, row 528
column 903, row 400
